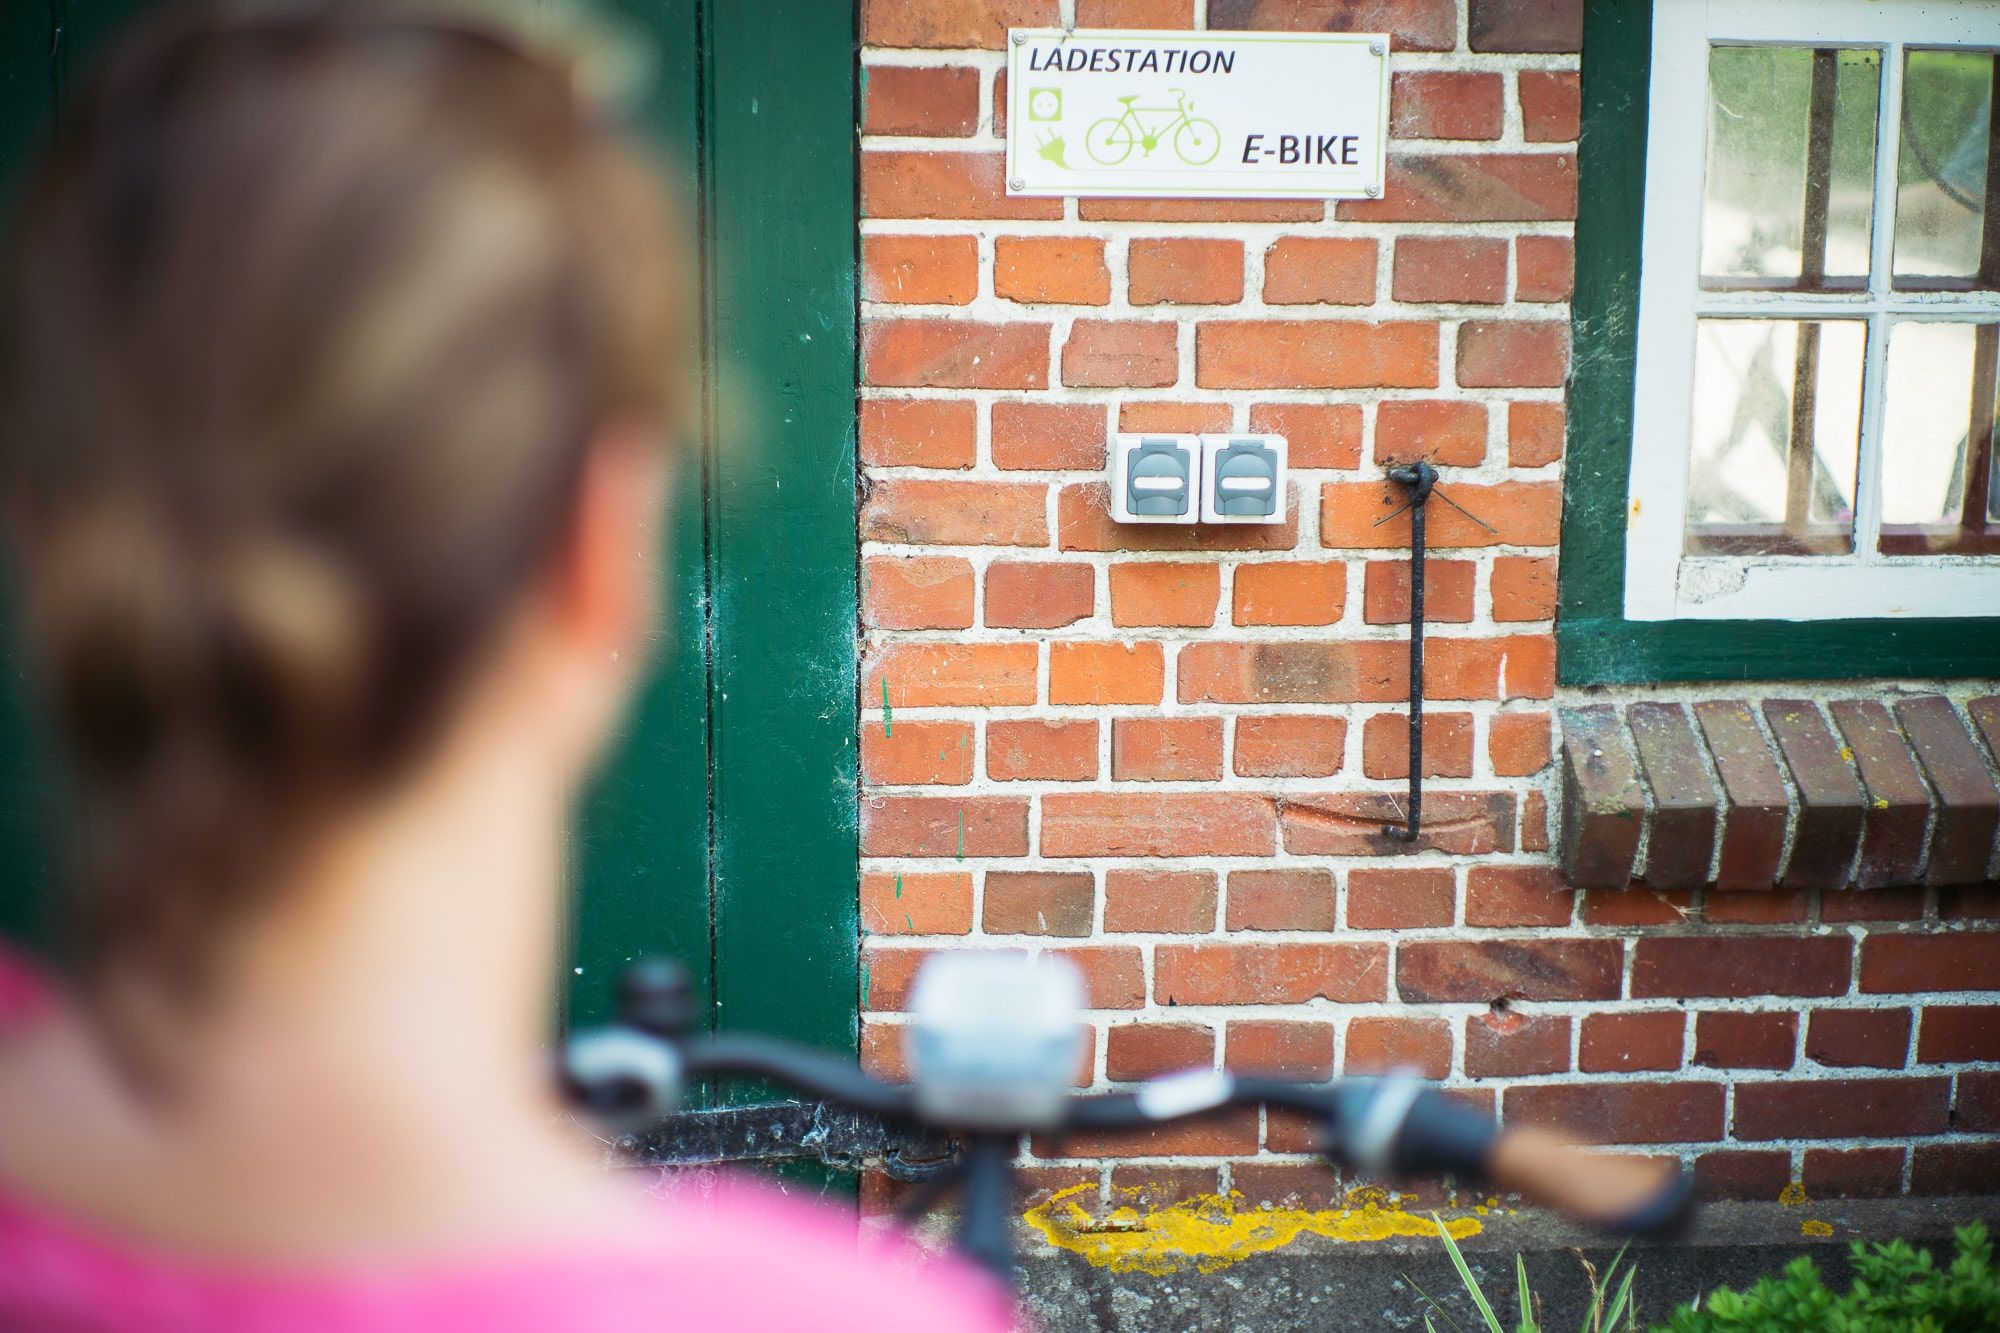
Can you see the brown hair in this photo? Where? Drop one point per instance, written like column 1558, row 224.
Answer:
column 309, row 316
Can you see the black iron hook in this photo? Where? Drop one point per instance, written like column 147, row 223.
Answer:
column 1421, row 478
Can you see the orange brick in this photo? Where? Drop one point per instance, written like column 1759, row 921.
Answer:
column 1173, row 418
column 1168, row 902
column 1114, row 976
column 1280, row 1049
column 1522, row 513
column 936, row 826
column 1534, row 434
column 1135, row 13
column 955, row 513
column 1083, row 523
column 1376, row 1044
column 934, row 101
column 1185, row 272
column 1449, row 433
column 1236, row 973
column 1039, row 902
column 1399, row 897
column 1286, row 746
column 1412, row 25
column 900, row 183
column 1164, row 594
column 1316, row 434
column 1166, row 749
column 1200, row 210
column 1512, row 666
column 1000, row 104
column 1385, row 592
column 1134, row 1052
column 1518, row 744
column 951, row 24
column 1622, row 1043
column 1471, row 187
column 1290, row 593
column 1035, row 436
column 1517, row 896
column 1316, row 354
column 1157, row 823
column 1121, row 353
column 1544, row 268
column 1551, row 104
column 1385, row 745
column 1059, row 270
column 1461, row 270
column 916, row 752
column 1443, row 104
column 920, row 270
column 916, row 592
column 1035, row 750
column 916, row 903
column 943, row 675
column 1524, row 587
column 919, row 432
column 1286, row 899
column 1503, row 353
column 1322, row 671
column 1320, row 270
column 1106, row 673
column 954, row 354
column 1038, row 594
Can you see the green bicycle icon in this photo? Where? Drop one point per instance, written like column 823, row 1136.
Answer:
column 1111, row 140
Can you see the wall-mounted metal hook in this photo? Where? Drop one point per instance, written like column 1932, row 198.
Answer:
column 1421, row 478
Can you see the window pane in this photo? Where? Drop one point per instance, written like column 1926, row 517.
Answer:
column 1777, row 412
column 1791, row 166
column 1943, row 177
column 1937, row 438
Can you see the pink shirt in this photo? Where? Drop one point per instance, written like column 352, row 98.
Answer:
column 717, row 1254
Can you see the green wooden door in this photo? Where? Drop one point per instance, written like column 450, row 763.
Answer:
column 723, row 829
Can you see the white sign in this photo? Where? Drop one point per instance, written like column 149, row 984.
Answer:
column 1220, row 114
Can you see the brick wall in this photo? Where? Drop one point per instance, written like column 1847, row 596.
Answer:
column 1165, row 752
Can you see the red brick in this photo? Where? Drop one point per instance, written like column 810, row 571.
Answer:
column 1083, row 523
column 1350, row 823
column 1232, row 1134
column 1289, row 593
column 1636, row 906
column 1758, row 907
column 1471, row 187
column 887, row 973
column 1129, row 823
column 917, row 752
column 1978, row 1108
column 1447, row 432
column 1280, row 1049
column 1517, row 744
column 1444, row 104
column 916, row 903
column 1185, row 271
column 920, row 270
column 1522, row 513
column 951, row 23
column 1853, row 1173
column 954, row 354
column 1534, row 434
column 1036, row 594
column 1955, row 1168
column 1510, row 1044
column 935, row 101
column 1376, row 1044
column 1544, row 268
column 1114, row 975
column 1134, row 1052
column 930, row 675
column 1364, row 671
column 1551, row 104
column 1534, row 822
column 923, row 512
column 1842, row 1108
column 1169, row 902
column 1039, row 902
column 1503, row 353
column 998, row 125
column 1316, row 434
column 1875, row 1038
column 1506, row 25
column 1106, row 673
column 1147, row 418
column 916, row 592
column 1728, row 965
column 1458, row 270
column 1534, row 895
column 1385, row 745
column 1039, row 437
column 944, row 826
column 1166, row 749
column 1279, row 900
column 1951, row 1033
column 1481, row 971
column 1032, row 749
column 1320, row 270
column 1135, row 13
column 1235, row 973
column 899, row 183
column 1960, row 960
column 1280, row 746
column 1412, row 25
column 1158, row 593
column 1626, row 1043
column 1200, row 210
column 1524, row 588
column 1399, row 897
column 1316, row 354
column 1726, row 1039
column 1058, row 270
column 1448, row 585
column 918, row 432
column 1874, row 905
column 1619, row 1112
column 1735, row 1173
column 881, row 1057
column 1118, row 353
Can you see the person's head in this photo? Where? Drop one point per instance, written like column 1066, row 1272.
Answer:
column 336, row 369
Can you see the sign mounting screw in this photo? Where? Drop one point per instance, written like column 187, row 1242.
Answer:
column 1020, row 37
column 1374, row 191
column 1374, row 48
column 1014, row 182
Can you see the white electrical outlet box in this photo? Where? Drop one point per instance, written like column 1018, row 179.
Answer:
column 1156, row 479
column 1243, row 478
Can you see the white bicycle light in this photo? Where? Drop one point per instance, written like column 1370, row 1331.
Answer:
column 995, row 1038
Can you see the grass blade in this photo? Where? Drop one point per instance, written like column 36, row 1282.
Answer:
column 1435, row 1305
column 1465, row 1276
column 1619, row 1302
column 1527, row 1322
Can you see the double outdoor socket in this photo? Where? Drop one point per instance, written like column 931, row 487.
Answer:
column 1198, row 479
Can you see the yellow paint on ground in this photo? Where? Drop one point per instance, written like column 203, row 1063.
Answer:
column 1208, row 1233
column 1812, row 1226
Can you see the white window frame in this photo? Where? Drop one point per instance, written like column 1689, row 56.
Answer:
column 1661, row 582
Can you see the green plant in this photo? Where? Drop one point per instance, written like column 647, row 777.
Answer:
column 1608, row 1305
column 1896, row 1289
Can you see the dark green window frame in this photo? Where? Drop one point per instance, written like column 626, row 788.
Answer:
column 1596, row 644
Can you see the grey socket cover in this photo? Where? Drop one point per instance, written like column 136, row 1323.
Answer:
column 1154, row 463
column 1246, row 479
